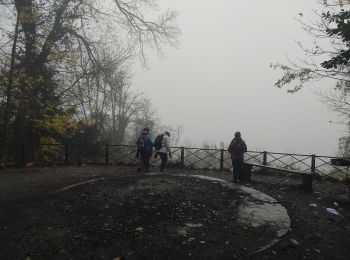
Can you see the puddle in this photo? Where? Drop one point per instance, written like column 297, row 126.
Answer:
column 259, row 209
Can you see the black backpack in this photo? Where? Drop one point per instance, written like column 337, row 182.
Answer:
column 158, row 142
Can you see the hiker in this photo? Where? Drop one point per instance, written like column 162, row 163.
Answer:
column 144, row 149
column 162, row 146
column 237, row 148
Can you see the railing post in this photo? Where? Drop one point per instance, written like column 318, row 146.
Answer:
column 66, row 154
column 313, row 164
column 221, row 159
column 265, row 158
column 107, row 155
column 307, row 178
column 182, row 158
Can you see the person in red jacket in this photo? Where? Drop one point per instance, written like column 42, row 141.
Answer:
column 237, row 148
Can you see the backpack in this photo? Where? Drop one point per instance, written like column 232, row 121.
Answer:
column 238, row 149
column 158, row 142
column 141, row 142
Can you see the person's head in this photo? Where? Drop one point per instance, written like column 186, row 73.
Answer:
column 238, row 134
column 167, row 133
column 146, row 129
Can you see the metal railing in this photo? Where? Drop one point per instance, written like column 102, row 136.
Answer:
column 183, row 157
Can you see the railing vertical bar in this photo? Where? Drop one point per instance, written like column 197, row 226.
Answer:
column 182, row 157
column 221, row 159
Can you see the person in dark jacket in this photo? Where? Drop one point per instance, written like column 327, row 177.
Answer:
column 144, row 149
column 237, row 148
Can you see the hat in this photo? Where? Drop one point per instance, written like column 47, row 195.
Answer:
column 146, row 129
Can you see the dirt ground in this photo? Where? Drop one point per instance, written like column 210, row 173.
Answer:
column 103, row 220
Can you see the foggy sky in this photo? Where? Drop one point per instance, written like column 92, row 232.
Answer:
column 219, row 81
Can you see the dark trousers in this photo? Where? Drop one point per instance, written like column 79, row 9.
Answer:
column 237, row 169
column 164, row 160
column 144, row 160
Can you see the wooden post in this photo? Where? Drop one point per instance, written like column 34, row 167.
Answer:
column 222, row 160
column 264, row 170
column 308, row 178
column 107, row 155
column 182, row 158
column 265, row 158
column 313, row 164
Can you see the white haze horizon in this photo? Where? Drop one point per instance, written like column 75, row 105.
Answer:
column 219, row 81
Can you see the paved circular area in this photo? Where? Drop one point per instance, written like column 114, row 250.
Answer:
column 182, row 215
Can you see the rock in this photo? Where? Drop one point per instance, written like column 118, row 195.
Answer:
column 294, row 243
column 192, row 225
column 181, row 232
column 332, row 211
column 139, row 229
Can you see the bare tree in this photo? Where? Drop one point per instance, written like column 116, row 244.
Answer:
column 50, row 33
column 325, row 60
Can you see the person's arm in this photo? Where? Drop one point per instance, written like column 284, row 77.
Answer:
column 150, row 140
column 245, row 147
column 230, row 147
column 167, row 144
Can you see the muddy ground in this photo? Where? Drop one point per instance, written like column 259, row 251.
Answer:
column 110, row 218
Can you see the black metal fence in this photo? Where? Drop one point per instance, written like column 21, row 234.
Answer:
column 184, row 157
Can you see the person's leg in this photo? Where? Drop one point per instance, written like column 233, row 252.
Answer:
column 235, row 171
column 164, row 159
column 146, row 164
column 140, row 163
column 239, row 165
